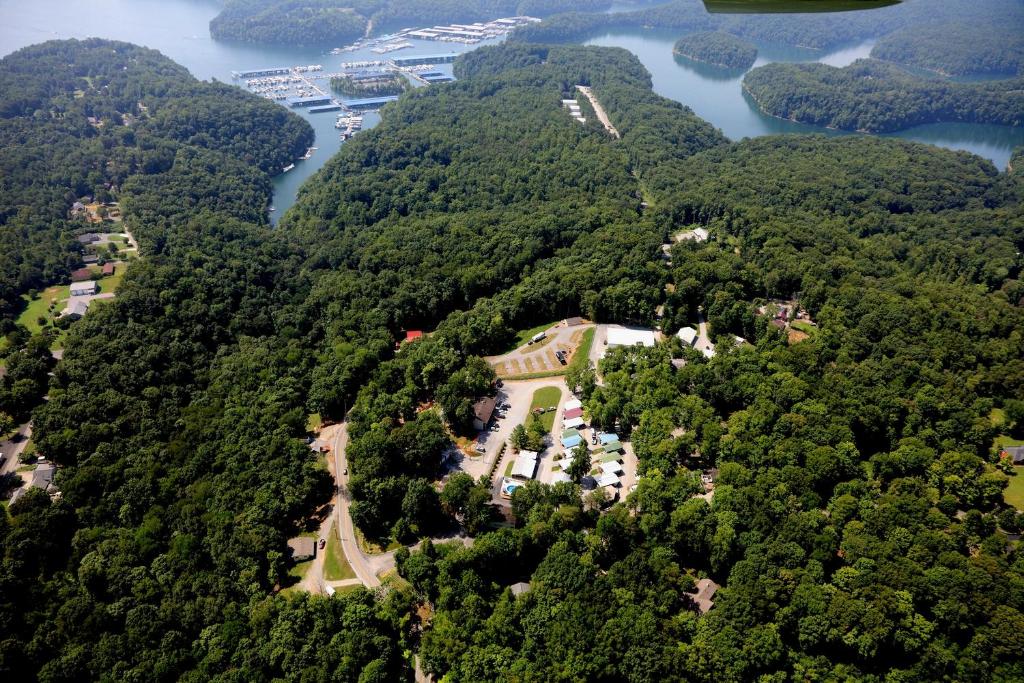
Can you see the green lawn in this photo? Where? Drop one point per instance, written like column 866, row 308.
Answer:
column 1014, row 493
column 313, row 422
column 336, row 567
column 1003, row 440
column 112, row 282
column 524, row 336
column 805, row 327
column 997, row 417
column 39, row 307
column 546, row 397
column 582, row 355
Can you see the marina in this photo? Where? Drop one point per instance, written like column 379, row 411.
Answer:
column 465, row 34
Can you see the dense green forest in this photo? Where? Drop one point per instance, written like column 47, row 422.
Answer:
column 717, row 48
column 815, row 30
column 857, row 526
column 332, row 23
column 977, row 48
column 75, row 122
column 877, row 97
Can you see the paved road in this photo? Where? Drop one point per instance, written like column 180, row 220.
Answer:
column 357, row 559
column 367, row 568
column 602, row 116
column 13, row 447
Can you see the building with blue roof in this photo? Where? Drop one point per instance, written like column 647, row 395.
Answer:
column 370, row 102
column 308, row 101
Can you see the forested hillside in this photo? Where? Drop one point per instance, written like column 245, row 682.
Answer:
column 983, row 47
column 857, row 525
column 813, row 30
column 717, row 48
column 876, row 97
column 83, row 118
column 332, row 23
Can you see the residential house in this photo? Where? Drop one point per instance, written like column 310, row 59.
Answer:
column 483, row 410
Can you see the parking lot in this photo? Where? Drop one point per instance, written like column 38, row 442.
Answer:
column 542, row 356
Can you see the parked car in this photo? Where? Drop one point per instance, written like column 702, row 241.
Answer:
column 495, row 428
column 323, row 543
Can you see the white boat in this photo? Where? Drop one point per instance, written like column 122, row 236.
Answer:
column 287, row 168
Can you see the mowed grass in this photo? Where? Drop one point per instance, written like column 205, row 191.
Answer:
column 39, row 307
column 546, row 397
column 336, row 567
column 524, row 336
column 1014, row 492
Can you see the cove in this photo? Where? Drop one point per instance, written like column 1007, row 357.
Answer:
column 180, row 30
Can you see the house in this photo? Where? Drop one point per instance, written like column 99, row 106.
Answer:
column 1015, row 453
column 412, row 335
column 42, row 478
column 612, row 447
column 701, row 597
column 571, row 438
column 612, row 467
column 90, row 259
column 109, row 268
column 84, row 288
column 89, row 237
column 560, row 477
column 483, row 409
column 696, row 235
column 77, row 309
column 519, row 588
column 81, row 275
column 77, row 208
column 525, row 465
column 302, row 548
column 688, row 336
column 572, row 413
column 573, row 404
column 630, row 336
column 573, row 423
column 608, row 479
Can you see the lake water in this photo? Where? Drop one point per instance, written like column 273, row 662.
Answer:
column 716, row 95
column 180, row 29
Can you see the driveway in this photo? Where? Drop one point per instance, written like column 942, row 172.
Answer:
column 520, row 395
column 13, row 447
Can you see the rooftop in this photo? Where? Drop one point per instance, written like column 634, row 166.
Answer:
column 631, row 336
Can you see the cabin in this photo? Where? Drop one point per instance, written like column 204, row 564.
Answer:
column 81, row 275
column 483, row 410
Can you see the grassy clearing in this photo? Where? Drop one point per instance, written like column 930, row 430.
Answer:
column 110, row 283
column 805, row 327
column 524, row 336
column 39, row 307
column 545, row 397
column 1014, row 493
column 582, row 355
column 372, row 547
column 336, row 567
column 392, row 580
column 313, row 422
column 1004, row 441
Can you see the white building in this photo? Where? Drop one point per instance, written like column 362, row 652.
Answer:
column 697, row 235
column 87, row 288
column 525, row 465
column 687, row 335
column 630, row 336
